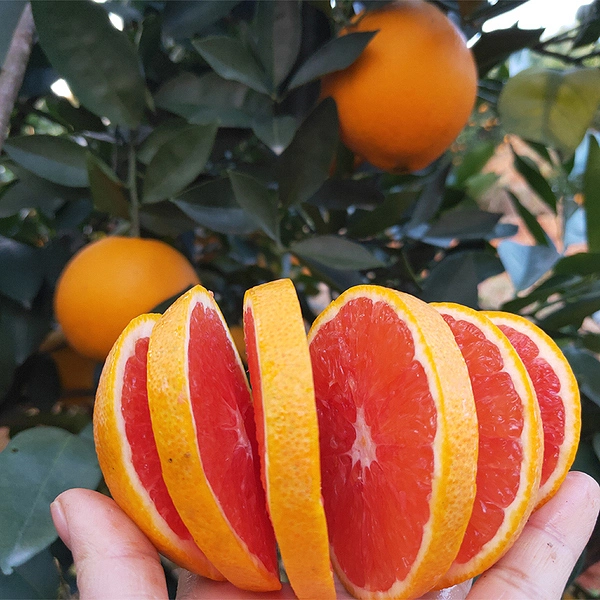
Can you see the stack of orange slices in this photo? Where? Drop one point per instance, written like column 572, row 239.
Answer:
column 402, row 444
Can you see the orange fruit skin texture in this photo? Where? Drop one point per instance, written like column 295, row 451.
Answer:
column 402, row 103
column 288, row 435
column 111, row 281
column 114, row 456
column 569, row 392
column 176, row 440
column 455, row 443
column 516, row 513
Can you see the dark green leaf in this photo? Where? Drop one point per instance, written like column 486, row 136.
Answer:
column 477, row 185
column 275, row 132
column 278, row 28
column 163, row 133
column 526, row 264
column 165, row 219
column 536, row 180
column 108, row 192
column 186, row 18
column 341, row 194
column 56, row 159
column 586, row 460
column 536, row 230
column 205, row 99
column 591, row 195
column 53, row 461
column 20, row 195
column 582, row 263
column 453, row 279
column 494, row 47
column 591, row 341
column 589, row 15
column 101, row 66
column 336, row 252
column 178, row 162
column 554, row 108
column 431, row 198
column 10, row 12
column 573, row 313
column 335, row 55
column 232, row 60
column 21, row 271
column 472, row 162
column 258, row 201
column 213, row 205
column 37, row 578
column 464, row 224
column 305, row 163
column 388, row 214
column 587, row 371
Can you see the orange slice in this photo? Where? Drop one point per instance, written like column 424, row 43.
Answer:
column 398, row 438
column 510, row 442
column 557, row 394
column 288, row 434
column 203, row 422
column 127, row 451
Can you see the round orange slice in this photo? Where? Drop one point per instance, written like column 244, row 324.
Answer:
column 398, row 439
column 203, row 423
column 288, row 434
column 127, row 450
column 557, row 394
column 510, row 442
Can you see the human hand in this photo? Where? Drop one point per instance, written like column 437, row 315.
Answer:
column 114, row 559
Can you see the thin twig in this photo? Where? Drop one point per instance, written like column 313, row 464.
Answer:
column 13, row 70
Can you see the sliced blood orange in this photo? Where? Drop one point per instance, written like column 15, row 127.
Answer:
column 398, row 438
column 203, row 422
column 127, row 451
column 557, row 394
column 288, row 434
column 510, row 442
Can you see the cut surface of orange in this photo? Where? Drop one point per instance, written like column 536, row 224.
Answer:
column 127, row 450
column 203, row 422
column 557, row 394
column 398, row 439
column 510, row 442
column 288, row 434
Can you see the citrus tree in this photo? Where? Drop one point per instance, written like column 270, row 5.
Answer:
column 204, row 126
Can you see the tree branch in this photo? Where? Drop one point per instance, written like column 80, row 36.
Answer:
column 13, row 70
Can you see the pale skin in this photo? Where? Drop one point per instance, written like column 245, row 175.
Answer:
column 114, row 559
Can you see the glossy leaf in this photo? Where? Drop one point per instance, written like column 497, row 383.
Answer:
column 388, row 214
column 536, row 230
column 526, row 264
column 101, row 67
column 275, row 132
column 472, row 162
column 186, row 18
column 335, row 55
column 258, row 201
column 431, row 197
column 582, row 263
column 165, row 219
column 56, row 159
column 108, row 192
column 453, row 279
column 591, row 194
column 278, row 28
column 587, row 371
column 305, row 163
column 160, row 135
column 54, row 461
column 336, row 252
column 37, row 578
column 464, row 224
column 178, row 162
column 232, row 60
column 341, row 194
column 572, row 313
column 554, row 108
column 21, row 271
column 213, row 205
column 536, row 180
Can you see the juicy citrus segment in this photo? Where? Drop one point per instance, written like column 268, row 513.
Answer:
column 127, row 451
column 203, row 421
column 398, row 436
column 510, row 442
column 557, row 394
column 288, row 434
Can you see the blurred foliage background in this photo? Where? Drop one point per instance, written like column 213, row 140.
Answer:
column 199, row 123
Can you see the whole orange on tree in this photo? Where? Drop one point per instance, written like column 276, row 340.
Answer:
column 406, row 98
column 111, row 281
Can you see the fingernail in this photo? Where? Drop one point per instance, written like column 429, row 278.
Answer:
column 60, row 522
